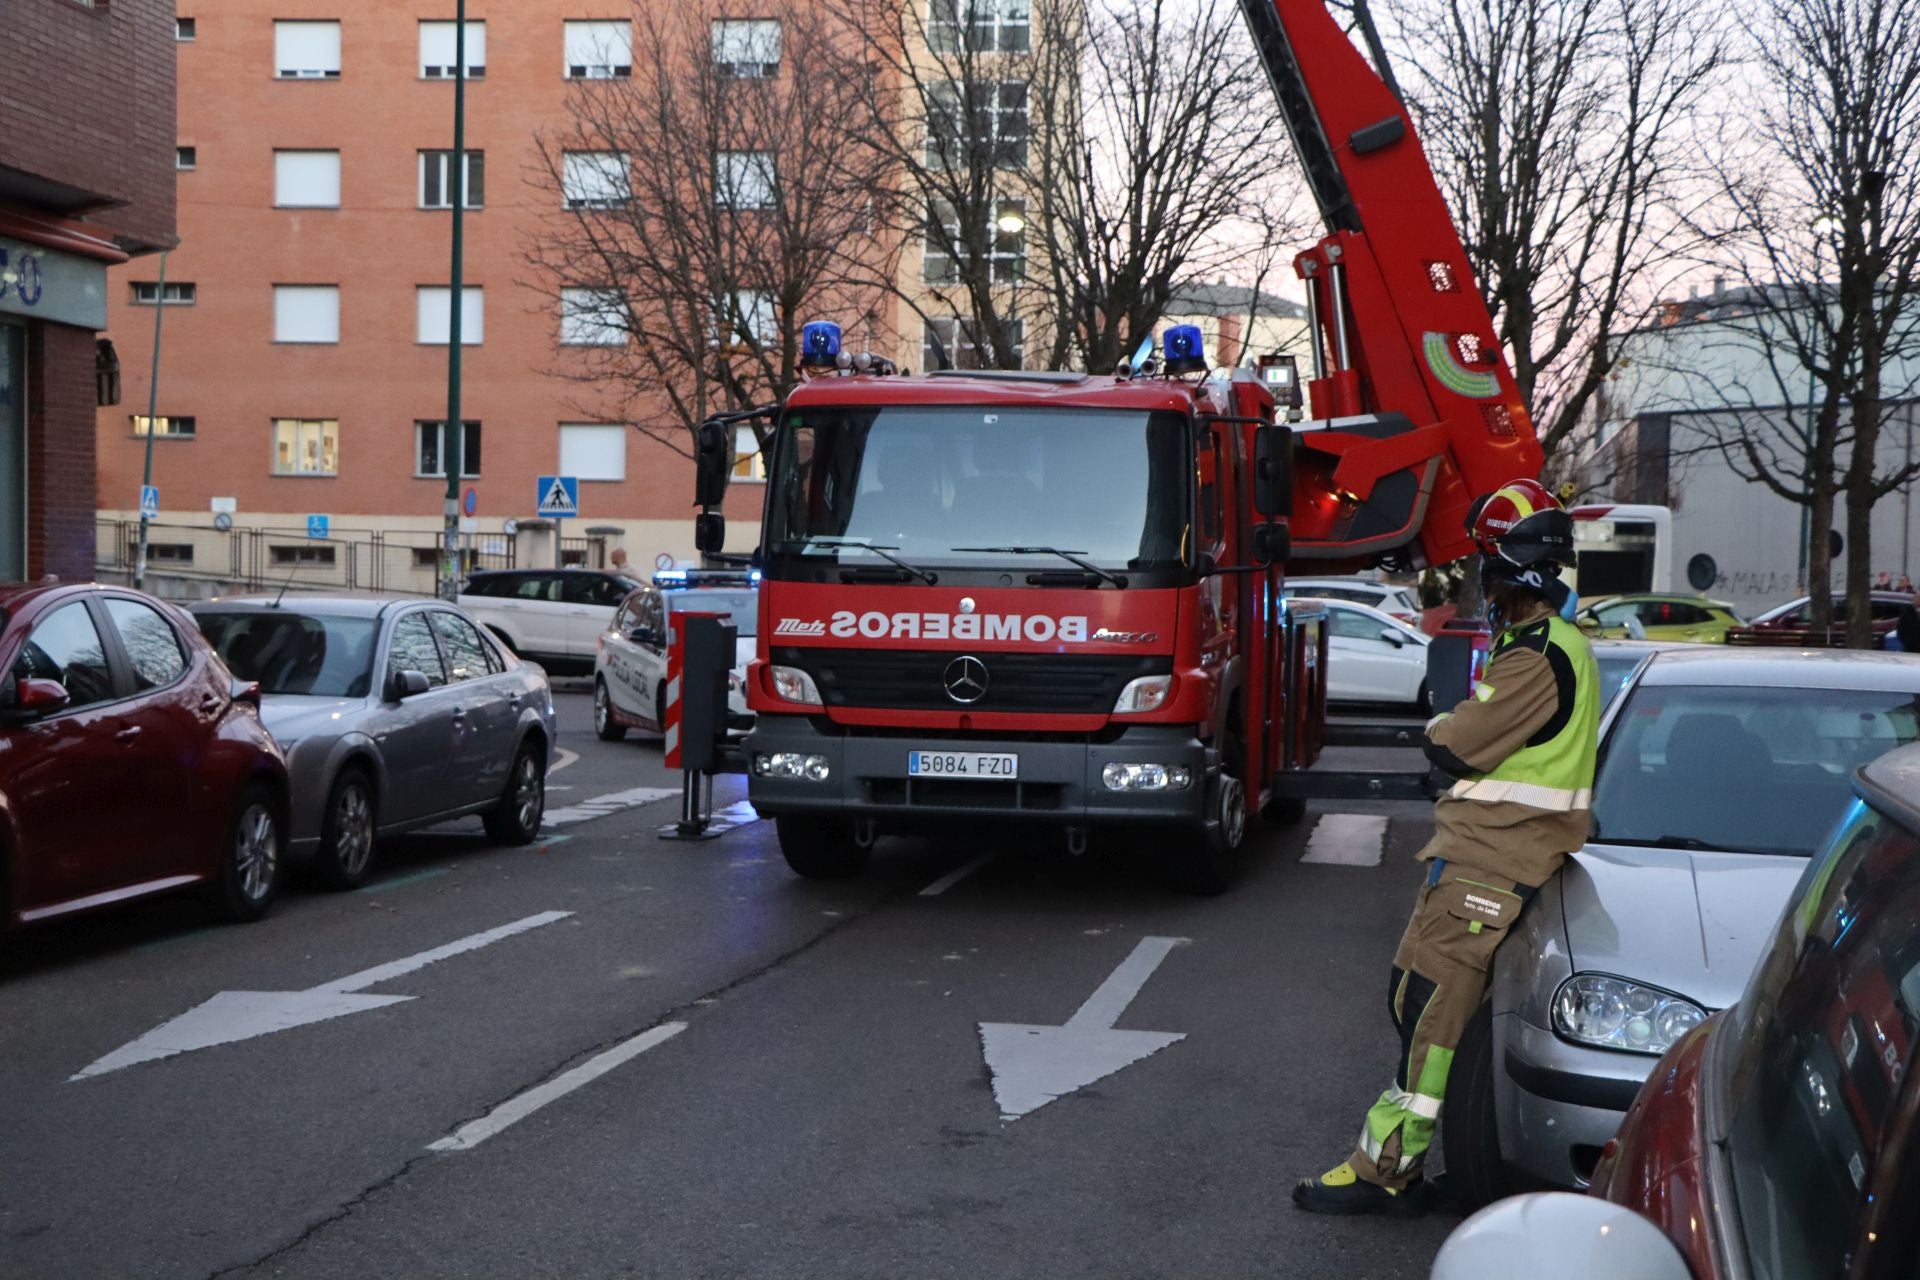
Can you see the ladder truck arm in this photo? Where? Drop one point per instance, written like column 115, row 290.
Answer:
column 1416, row 411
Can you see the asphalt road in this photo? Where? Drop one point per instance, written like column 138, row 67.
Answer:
column 824, row 1108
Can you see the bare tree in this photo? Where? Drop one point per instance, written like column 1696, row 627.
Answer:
column 1158, row 160
column 702, row 213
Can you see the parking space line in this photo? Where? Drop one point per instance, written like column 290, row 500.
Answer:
column 401, row 882
column 516, row 1109
column 1347, row 840
column 955, row 876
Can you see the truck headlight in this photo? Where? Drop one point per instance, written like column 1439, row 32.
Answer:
column 795, row 685
column 1612, row 1013
column 1146, row 777
column 792, row 766
column 1148, row 693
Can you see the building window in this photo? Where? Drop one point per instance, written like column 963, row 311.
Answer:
column 299, row 553
column 183, row 29
column 186, row 157
column 306, row 50
column 593, row 450
column 436, row 180
column 306, row 179
column 436, row 315
column 147, row 293
column 599, row 50
column 429, row 439
column 963, row 347
column 306, row 447
column 751, row 319
column 748, row 464
column 595, row 179
column 747, row 49
column 743, row 179
column 306, row 313
column 989, row 26
column 164, row 427
column 592, row 318
column 438, row 54
column 1006, row 242
column 992, row 126
column 170, row 552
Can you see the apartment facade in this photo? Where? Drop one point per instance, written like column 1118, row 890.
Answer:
column 86, row 182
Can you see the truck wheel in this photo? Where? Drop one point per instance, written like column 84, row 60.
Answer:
column 819, row 848
column 604, row 725
column 1206, row 867
column 1469, row 1125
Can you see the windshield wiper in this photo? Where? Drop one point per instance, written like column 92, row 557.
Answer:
column 882, row 552
column 1073, row 557
column 1662, row 842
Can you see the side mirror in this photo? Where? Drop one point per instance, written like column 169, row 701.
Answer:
column 244, row 691
column 1272, row 543
column 710, row 533
column 713, row 463
column 1528, row 1236
column 644, row 635
column 404, row 684
column 34, row 697
column 1273, row 471
column 1393, row 637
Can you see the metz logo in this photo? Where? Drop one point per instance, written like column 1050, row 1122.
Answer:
column 795, row 627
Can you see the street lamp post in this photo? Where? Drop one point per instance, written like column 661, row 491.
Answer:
column 453, row 430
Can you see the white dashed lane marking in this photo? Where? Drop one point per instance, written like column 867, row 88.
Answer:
column 1347, row 840
column 601, row 806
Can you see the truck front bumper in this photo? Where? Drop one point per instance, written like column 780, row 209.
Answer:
column 1059, row 782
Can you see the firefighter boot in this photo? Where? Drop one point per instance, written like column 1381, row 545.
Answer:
column 1342, row 1191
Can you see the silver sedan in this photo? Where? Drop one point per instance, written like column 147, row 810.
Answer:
column 393, row 714
column 1721, row 771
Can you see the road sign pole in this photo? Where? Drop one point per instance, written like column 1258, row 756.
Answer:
column 153, row 400
column 453, row 431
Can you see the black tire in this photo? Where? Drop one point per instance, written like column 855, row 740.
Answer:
column 1423, row 700
column 605, row 727
column 516, row 819
column 1469, row 1123
column 349, row 830
column 820, row 848
column 252, row 859
column 1206, row 866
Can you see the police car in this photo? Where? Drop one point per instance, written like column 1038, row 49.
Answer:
column 630, row 657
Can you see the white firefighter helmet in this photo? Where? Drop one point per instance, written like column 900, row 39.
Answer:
column 1554, row 1233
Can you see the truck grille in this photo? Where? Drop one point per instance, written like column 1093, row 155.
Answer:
column 1061, row 684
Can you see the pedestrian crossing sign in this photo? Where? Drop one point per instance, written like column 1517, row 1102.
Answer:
column 557, row 497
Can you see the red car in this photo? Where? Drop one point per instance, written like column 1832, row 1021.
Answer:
column 131, row 762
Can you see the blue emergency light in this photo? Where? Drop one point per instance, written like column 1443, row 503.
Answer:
column 1185, row 348
column 820, row 344
column 670, row 578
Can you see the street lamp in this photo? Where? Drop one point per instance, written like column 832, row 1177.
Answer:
column 1010, row 223
column 1821, row 227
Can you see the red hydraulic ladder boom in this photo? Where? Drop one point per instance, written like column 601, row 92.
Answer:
column 1416, row 411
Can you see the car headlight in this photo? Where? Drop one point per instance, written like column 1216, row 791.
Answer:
column 1612, row 1013
column 795, row 685
column 1148, row 693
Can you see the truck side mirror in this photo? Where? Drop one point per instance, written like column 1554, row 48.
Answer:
column 710, row 533
column 713, row 463
column 1273, row 471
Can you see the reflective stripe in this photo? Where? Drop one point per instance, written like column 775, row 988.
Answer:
column 1531, row 794
column 1421, row 1105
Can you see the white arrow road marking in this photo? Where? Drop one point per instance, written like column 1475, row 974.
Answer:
column 564, row 758
column 613, row 802
column 1347, row 840
column 1032, row 1065
column 242, row 1015
column 516, row 1109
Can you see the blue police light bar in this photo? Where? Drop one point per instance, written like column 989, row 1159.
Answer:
column 670, row 578
column 820, row 344
column 1185, row 349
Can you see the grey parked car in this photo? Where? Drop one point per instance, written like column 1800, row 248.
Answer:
column 1721, row 772
column 393, row 714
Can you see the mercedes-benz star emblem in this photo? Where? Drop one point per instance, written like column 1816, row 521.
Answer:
column 966, row 680
column 966, row 604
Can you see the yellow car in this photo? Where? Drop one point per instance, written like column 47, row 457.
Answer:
column 1689, row 619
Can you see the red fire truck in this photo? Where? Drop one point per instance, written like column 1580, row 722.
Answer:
column 1056, row 597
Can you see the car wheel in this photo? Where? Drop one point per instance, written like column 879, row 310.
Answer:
column 1469, row 1127
column 516, row 819
column 604, row 725
column 347, row 831
column 1424, row 699
column 250, row 862
column 820, row 848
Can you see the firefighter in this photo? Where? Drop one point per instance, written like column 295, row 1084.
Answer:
column 1519, row 753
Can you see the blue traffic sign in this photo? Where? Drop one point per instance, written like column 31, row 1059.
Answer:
column 149, row 502
column 317, row 526
column 472, row 501
column 557, row 497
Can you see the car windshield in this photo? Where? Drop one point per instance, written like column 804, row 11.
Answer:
column 741, row 607
column 1760, row 770
column 1109, row 485
column 320, row 654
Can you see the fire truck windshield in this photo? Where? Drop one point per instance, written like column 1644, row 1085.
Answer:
column 962, row 486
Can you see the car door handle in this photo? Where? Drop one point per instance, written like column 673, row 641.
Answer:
column 128, row 734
